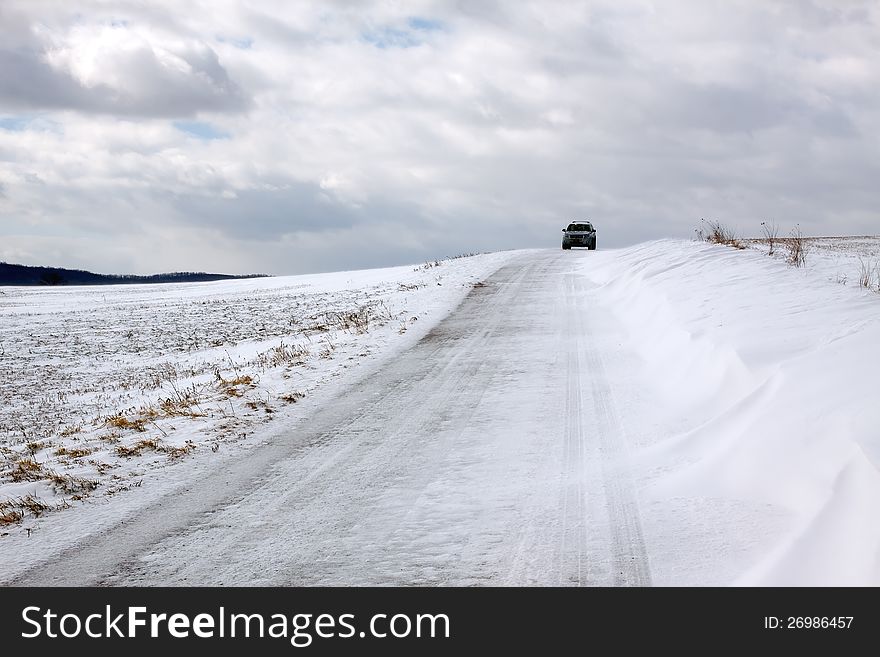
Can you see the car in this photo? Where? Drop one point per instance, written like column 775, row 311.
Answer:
column 579, row 233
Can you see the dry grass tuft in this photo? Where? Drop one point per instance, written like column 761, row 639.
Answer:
column 230, row 387
column 771, row 235
column 35, row 446
column 127, row 451
column 327, row 350
column 429, row 265
column 32, row 504
column 283, row 354
column 714, row 232
column 27, row 470
column 71, row 485
column 868, row 269
column 121, row 422
column 154, row 445
column 182, row 403
column 357, row 320
column 71, row 430
column 797, row 247
column 238, row 381
column 74, row 453
column 178, row 452
column 9, row 517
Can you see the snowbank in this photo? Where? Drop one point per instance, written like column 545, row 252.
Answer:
column 766, row 406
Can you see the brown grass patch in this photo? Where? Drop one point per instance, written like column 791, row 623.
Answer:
column 122, row 422
column 230, row 387
column 27, row 470
column 10, row 517
column 284, row 354
column 74, row 453
column 182, row 403
column 178, row 452
column 71, row 430
column 35, row 446
column 127, row 451
column 71, row 485
column 796, row 244
column 34, row 505
column 715, row 232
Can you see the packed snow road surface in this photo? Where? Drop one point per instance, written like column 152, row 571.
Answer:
column 672, row 413
column 491, row 452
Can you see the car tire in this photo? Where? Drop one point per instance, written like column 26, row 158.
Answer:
column 566, row 248
column 593, row 246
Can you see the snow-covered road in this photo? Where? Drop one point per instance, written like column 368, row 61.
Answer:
column 672, row 413
column 491, row 452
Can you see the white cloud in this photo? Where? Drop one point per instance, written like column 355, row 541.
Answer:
column 327, row 134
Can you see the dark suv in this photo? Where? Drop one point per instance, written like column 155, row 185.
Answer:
column 580, row 233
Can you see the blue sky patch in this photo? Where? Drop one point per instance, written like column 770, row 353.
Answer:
column 242, row 43
column 389, row 37
column 200, row 130
column 424, row 24
column 410, row 36
column 14, row 123
column 36, row 123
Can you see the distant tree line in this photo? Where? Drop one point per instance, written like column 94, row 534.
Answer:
column 25, row 275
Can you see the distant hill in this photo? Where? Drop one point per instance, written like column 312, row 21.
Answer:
column 25, row 275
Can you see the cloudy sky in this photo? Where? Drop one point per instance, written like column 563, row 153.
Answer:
column 297, row 136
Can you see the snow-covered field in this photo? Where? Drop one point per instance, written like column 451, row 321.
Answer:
column 689, row 413
column 101, row 385
column 759, row 461
column 850, row 261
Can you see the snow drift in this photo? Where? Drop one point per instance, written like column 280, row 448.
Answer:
column 766, row 429
column 700, row 414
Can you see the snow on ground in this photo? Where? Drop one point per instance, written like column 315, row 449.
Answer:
column 764, row 426
column 102, row 385
column 742, row 392
column 849, row 261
